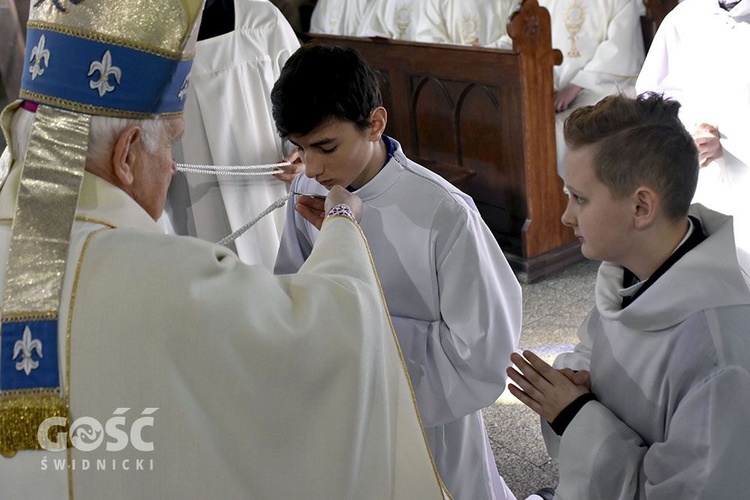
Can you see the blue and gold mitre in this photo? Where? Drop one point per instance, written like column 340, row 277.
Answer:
column 126, row 58
column 119, row 58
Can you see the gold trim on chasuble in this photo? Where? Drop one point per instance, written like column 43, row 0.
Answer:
column 444, row 489
column 71, row 308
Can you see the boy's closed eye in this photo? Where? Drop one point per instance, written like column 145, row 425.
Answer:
column 575, row 197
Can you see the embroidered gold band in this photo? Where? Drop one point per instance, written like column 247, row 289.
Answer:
column 47, row 200
column 22, row 415
column 30, row 389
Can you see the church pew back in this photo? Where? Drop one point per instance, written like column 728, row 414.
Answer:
column 484, row 119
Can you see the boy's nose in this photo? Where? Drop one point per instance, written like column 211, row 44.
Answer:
column 312, row 169
column 566, row 218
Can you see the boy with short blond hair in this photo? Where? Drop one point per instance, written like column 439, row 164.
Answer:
column 652, row 402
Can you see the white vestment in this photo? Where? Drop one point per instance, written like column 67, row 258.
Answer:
column 602, row 48
column 396, row 19
column 264, row 386
column 454, row 302
column 672, row 375
column 338, row 17
column 228, row 121
column 465, row 22
column 694, row 59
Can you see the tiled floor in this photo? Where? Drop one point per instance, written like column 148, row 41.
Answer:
column 553, row 309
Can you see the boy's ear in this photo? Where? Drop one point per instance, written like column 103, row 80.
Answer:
column 124, row 155
column 646, row 207
column 378, row 121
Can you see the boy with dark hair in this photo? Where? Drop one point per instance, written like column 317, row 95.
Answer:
column 653, row 401
column 454, row 302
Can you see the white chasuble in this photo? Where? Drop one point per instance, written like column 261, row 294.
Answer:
column 338, row 17
column 193, row 375
column 396, row 19
column 601, row 43
column 602, row 48
column 465, row 22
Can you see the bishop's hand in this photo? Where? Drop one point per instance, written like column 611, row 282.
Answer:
column 314, row 210
column 297, row 166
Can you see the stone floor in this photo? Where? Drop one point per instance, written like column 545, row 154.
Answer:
column 553, row 309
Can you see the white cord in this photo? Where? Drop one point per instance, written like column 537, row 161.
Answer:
column 264, row 169
column 276, row 204
column 209, row 171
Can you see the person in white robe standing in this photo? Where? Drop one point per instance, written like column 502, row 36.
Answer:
column 602, row 47
column 651, row 403
column 135, row 364
column 338, row 17
column 715, row 100
column 480, row 23
column 454, row 301
column 228, row 122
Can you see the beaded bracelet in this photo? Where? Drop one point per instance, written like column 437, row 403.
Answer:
column 341, row 209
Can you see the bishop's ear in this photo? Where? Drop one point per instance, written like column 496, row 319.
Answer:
column 125, row 155
column 646, row 206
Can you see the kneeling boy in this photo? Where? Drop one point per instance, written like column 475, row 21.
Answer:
column 655, row 399
column 454, row 302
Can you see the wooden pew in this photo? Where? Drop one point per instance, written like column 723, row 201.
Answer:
column 484, row 119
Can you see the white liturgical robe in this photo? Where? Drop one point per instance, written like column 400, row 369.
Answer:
column 601, row 44
column 465, row 22
column 602, row 48
column 671, row 372
column 228, row 121
column 696, row 58
column 192, row 375
column 338, row 17
column 454, row 302
column 396, row 19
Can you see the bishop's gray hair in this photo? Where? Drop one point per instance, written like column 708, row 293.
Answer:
column 103, row 132
column 20, row 131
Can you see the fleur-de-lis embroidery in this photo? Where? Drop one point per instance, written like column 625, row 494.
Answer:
column 58, row 5
column 105, row 69
column 26, row 347
column 40, row 56
column 184, row 88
